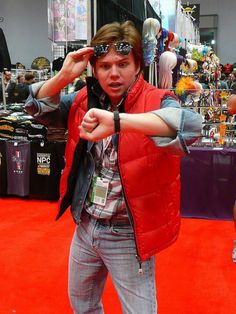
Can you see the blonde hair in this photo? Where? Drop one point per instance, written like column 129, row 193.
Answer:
column 151, row 28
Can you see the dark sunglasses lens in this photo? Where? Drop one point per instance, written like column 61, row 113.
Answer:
column 100, row 50
column 123, row 48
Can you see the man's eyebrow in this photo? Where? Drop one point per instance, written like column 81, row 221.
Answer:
column 124, row 58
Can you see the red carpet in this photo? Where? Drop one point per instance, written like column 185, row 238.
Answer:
column 194, row 276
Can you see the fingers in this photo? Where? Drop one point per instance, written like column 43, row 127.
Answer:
column 96, row 125
column 86, row 52
column 89, row 127
column 89, row 123
column 86, row 135
column 89, row 119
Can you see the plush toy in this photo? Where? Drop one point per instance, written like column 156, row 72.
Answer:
column 190, row 66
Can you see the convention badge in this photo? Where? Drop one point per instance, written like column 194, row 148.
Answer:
column 99, row 190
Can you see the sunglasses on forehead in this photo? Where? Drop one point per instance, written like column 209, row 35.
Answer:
column 122, row 47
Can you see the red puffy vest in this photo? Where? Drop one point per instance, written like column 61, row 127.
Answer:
column 150, row 176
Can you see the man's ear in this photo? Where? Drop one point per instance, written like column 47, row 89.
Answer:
column 137, row 70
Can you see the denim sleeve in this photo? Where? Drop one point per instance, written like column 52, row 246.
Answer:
column 186, row 122
column 45, row 106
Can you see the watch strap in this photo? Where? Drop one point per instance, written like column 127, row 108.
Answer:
column 116, row 117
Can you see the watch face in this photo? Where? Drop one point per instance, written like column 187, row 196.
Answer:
column 40, row 63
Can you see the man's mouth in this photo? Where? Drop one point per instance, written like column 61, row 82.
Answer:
column 115, row 85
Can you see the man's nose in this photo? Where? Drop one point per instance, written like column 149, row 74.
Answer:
column 114, row 70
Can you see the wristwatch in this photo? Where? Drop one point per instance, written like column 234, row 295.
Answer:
column 116, row 117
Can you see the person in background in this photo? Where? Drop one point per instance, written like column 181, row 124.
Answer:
column 19, row 65
column 122, row 174
column 222, row 84
column 20, row 79
column 9, row 86
column 29, row 78
column 21, row 91
column 233, row 83
column 204, row 81
column 80, row 83
column 229, row 79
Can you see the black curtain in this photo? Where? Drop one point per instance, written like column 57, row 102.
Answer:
column 5, row 61
column 109, row 11
column 151, row 12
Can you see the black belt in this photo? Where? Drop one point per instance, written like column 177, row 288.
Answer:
column 106, row 222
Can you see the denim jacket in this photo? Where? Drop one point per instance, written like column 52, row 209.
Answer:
column 186, row 122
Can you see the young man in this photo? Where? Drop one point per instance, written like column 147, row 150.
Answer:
column 9, row 87
column 121, row 178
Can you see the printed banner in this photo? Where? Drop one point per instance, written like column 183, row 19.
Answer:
column 81, row 20
column 67, row 20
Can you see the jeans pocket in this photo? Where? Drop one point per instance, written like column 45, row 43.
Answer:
column 123, row 230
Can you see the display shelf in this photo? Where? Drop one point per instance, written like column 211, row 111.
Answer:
column 219, row 128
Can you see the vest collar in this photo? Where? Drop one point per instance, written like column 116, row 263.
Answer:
column 95, row 91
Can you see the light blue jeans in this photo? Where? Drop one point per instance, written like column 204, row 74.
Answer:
column 97, row 249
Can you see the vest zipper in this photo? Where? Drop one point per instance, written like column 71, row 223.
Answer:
column 140, row 270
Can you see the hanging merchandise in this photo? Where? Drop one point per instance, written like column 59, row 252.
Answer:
column 186, row 26
column 150, row 33
column 18, row 167
column 167, row 62
column 190, row 66
column 198, row 52
column 67, row 20
column 45, row 169
column 177, row 71
column 3, row 169
column 175, row 42
column 169, row 39
column 186, row 87
column 161, row 41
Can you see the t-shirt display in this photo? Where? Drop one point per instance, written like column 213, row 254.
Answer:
column 46, row 165
column 18, row 166
column 3, row 169
column 17, row 125
column 31, row 156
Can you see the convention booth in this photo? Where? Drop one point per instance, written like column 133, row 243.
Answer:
column 32, row 169
column 208, row 177
column 32, row 156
